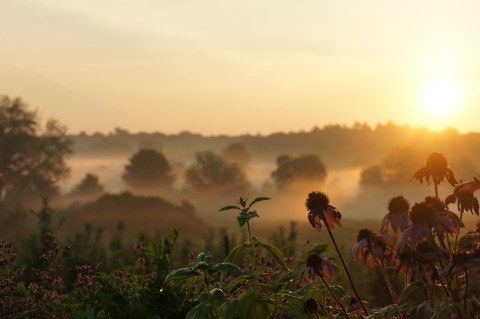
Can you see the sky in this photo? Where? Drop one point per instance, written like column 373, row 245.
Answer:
column 235, row 67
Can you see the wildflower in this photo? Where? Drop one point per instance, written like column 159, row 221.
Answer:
column 471, row 240
column 310, row 306
column 397, row 215
column 463, row 195
column 319, row 209
column 408, row 260
column 319, row 266
column 463, row 260
column 436, row 167
column 424, row 217
column 446, row 222
column 371, row 249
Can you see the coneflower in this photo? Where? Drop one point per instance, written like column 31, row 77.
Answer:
column 436, row 167
column 319, row 209
column 466, row 262
column 463, row 195
column 397, row 215
column 374, row 251
column 311, row 306
column 317, row 266
column 446, row 222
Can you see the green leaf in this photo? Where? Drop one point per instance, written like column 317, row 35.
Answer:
column 229, row 207
column 217, row 296
column 244, row 217
column 230, row 309
column 315, row 249
column 181, row 274
column 225, row 267
column 202, row 311
column 254, row 305
column 412, row 292
column 424, row 310
column 233, row 253
column 276, row 253
column 256, row 200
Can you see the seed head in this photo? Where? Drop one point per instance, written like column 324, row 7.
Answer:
column 398, row 204
column 422, row 213
column 317, row 201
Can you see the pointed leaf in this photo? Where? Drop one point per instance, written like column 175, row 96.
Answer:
column 229, row 207
column 276, row 253
column 254, row 305
column 225, row 267
column 181, row 274
column 233, row 253
column 256, row 200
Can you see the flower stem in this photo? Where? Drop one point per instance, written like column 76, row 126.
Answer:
column 437, row 252
column 252, row 248
column 436, row 188
column 456, row 236
column 333, row 295
column 466, row 292
column 345, row 267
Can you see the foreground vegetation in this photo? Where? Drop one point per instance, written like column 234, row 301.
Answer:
column 428, row 270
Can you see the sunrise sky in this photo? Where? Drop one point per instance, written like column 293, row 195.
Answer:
column 235, row 67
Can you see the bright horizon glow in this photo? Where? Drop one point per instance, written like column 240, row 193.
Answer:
column 233, row 67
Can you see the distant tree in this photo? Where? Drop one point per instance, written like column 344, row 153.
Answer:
column 302, row 168
column 148, row 169
column 211, row 171
column 32, row 159
column 236, row 153
column 89, row 186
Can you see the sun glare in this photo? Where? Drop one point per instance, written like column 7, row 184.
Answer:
column 441, row 98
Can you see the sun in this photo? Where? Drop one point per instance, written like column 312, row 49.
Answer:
column 441, row 98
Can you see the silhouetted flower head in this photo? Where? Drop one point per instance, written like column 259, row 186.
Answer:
column 422, row 213
column 316, row 265
column 319, row 209
column 423, row 218
column 471, row 240
column 397, row 214
column 422, row 258
column 463, row 260
column 446, row 222
column 436, row 167
column 310, row 306
column 317, row 201
column 371, row 249
column 463, row 195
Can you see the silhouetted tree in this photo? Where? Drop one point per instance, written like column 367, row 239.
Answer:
column 302, row 168
column 148, row 169
column 32, row 159
column 211, row 171
column 89, row 186
column 236, row 153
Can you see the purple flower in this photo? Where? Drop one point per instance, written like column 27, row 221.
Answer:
column 424, row 217
column 371, row 249
column 446, row 222
column 423, row 259
column 471, row 240
column 397, row 215
column 436, row 167
column 463, row 260
column 463, row 195
column 316, row 265
column 319, row 209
